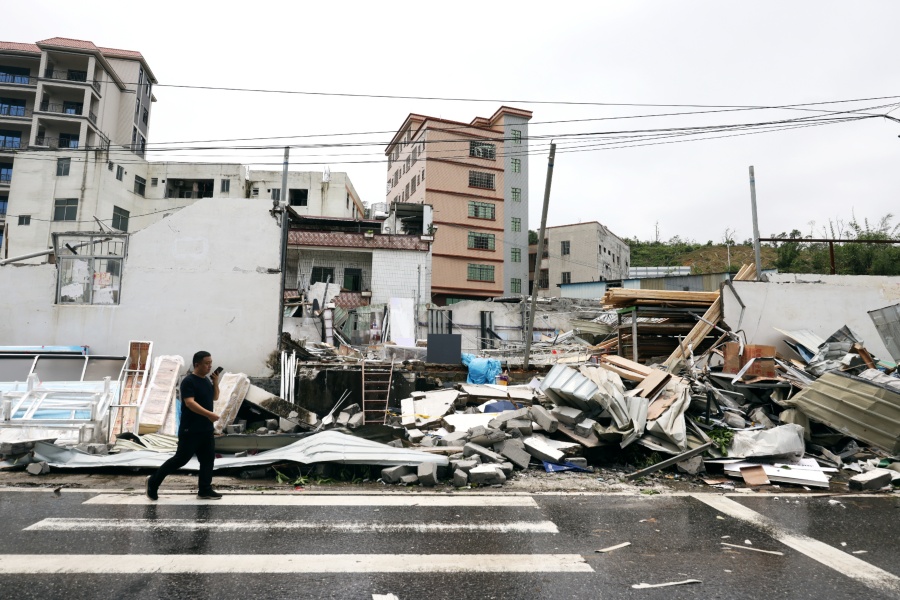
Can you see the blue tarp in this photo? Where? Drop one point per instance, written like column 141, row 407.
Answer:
column 566, row 466
column 481, row 370
column 500, row 406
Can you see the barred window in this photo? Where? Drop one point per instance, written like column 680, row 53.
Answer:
column 517, row 194
column 481, row 272
column 517, row 165
column 482, row 210
column 481, row 241
column 482, row 150
column 516, row 136
column 515, row 285
column 516, row 224
column 516, row 254
column 481, row 180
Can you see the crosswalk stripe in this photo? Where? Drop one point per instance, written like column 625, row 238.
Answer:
column 111, row 564
column 840, row 561
column 310, row 500
column 64, row 524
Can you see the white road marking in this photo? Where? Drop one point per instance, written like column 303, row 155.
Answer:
column 855, row 568
column 112, row 564
column 61, row 524
column 309, row 500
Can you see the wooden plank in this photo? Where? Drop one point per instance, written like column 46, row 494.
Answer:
column 570, row 433
column 653, row 383
column 624, row 363
column 623, row 373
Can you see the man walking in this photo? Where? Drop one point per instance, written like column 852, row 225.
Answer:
column 195, row 433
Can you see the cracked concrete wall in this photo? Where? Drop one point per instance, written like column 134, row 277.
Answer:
column 206, row 277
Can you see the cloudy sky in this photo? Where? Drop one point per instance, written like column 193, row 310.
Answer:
column 591, row 72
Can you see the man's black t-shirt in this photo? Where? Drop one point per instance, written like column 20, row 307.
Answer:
column 201, row 390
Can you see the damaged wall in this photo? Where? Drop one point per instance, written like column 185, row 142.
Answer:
column 205, row 277
column 821, row 303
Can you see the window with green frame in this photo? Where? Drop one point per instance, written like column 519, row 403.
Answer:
column 516, row 224
column 515, row 285
column 482, row 210
column 481, row 272
column 517, row 194
column 481, row 241
column 516, row 254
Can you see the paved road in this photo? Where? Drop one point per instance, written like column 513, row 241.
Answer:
column 96, row 544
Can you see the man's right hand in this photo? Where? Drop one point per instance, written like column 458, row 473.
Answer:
column 213, row 417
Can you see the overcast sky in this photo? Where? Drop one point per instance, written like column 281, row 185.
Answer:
column 701, row 53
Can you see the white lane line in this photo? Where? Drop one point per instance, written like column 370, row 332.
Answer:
column 111, row 564
column 61, row 524
column 831, row 557
column 254, row 500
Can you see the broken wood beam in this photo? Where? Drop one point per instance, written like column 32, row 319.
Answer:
column 670, row 461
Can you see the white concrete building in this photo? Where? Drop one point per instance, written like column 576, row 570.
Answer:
column 580, row 253
column 322, row 194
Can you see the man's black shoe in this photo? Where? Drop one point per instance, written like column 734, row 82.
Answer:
column 152, row 489
column 209, row 495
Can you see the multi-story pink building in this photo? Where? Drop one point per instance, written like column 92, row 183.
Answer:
column 475, row 176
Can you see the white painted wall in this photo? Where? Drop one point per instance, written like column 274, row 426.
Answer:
column 395, row 274
column 820, row 303
column 204, row 278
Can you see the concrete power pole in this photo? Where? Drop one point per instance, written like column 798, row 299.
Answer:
column 540, row 253
column 756, row 250
column 283, row 201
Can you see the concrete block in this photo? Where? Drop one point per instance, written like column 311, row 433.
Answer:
column 472, row 449
column 485, row 436
column 691, row 466
column 542, row 451
column 457, row 438
column 870, row 480
column 523, row 426
column 514, row 450
column 457, row 456
column 585, row 427
column 293, row 415
column 580, row 461
column 395, row 444
column 409, row 479
column 343, row 418
column 568, row 415
column 356, row 420
column 352, row 409
column 463, row 465
column 262, row 431
column 393, row 474
column 286, row 425
column 427, row 473
column 272, row 424
column 516, row 434
column 507, row 468
column 414, row 435
column 428, row 441
column 542, row 417
column 487, row 475
column 734, row 420
column 460, row 478
column 503, row 418
column 232, row 429
column 38, row 468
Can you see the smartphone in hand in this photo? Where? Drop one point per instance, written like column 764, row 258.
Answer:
column 218, row 371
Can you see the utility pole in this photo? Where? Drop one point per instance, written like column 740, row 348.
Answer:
column 285, row 226
column 540, row 254
column 756, row 251
column 418, row 300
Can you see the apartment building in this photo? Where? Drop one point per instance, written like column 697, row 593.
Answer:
column 475, row 176
column 69, row 96
column 579, row 253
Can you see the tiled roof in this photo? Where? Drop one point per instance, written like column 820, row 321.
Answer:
column 340, row 239
column 19, row 47
column 87, row 45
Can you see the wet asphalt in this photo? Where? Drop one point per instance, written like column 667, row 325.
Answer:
column 672, row 538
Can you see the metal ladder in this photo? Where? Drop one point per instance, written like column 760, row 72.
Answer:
column 376, row 391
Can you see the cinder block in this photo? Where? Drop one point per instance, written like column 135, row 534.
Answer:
column 578, row 461
column 286, row 425
column 487, row 475
column 542, row 451
column 262, row 431
column 471, row 449
column 463, row 465
column 414, row 435
column 456, row 438
column 460, row 478
column 408, row 479
column 870, row 480
column 428, row 440
column 235, row 428
column 393, row 474
column 503, row 418
column 514, row 450
column 356, row 421
column 272, row 424
column 568, row 415
column 38, row 468
column 343, row 418
column 523, row 426
column 507, row 468
column 585, row 428
column 486, row 436
column 542, row 417
column 427, row 473
column 395, row 444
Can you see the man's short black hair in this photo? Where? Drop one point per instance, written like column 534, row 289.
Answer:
column 199, row 356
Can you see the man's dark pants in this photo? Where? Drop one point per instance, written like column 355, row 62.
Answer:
column 202, row 444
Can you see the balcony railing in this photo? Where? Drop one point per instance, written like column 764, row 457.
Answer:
column 3, row 206
column 14, row 143
column 5, row 178
column 74, row 76
column 17, row 79
column 55, row 143
column 92, row 117
column 15, row 111
column 62, row 108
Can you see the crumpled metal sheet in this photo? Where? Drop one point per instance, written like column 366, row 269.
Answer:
column 327, row 446
column 783, row 441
